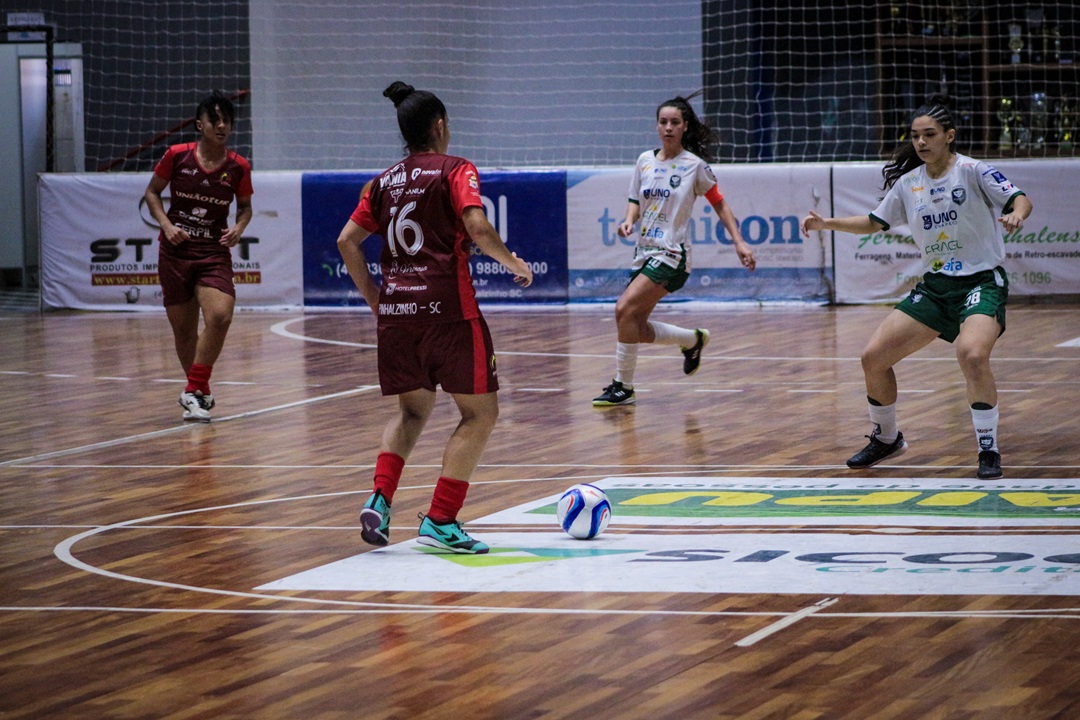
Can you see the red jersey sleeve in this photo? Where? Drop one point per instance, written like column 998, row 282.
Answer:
column 363, row 216
column 164, row 168
column 464, row 187
column 244, row 189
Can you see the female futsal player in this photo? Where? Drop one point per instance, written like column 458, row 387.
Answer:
column 666, row 183
column 955, row 208
column 430, row 330
column 194, row 259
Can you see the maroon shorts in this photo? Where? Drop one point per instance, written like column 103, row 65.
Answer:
column 178, row 277
column 459, row 356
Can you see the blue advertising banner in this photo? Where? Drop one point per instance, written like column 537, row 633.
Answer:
column 767, row 201
column 527, row 208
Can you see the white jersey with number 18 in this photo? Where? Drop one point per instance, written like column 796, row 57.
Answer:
column 954, row 218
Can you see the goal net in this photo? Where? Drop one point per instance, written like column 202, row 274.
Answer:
column 572, row 82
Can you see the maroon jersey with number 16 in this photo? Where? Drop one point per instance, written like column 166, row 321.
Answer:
column 416, row 206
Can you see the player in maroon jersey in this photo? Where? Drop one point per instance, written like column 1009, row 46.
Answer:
column 429, row 212
column 195, row 258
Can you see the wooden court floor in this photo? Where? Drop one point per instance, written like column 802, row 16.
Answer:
column 155, row 569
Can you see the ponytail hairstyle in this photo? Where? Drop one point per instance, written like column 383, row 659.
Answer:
column 904, row 158
column 699, row 138
column 417, row 113
column 216, row 107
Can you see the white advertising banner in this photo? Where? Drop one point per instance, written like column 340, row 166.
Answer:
column 768, row 201
column 1043, row 258
column 99, row 243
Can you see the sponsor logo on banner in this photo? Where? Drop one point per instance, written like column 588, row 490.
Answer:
column 839, row 501
column 98, row 271
column 547, row 560
column 720, row 501
column 782, row 563
column 123, row 262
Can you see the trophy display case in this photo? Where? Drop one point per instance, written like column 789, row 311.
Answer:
column 1011, row 70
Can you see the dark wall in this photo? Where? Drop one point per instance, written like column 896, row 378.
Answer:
column 147, row 65
column 787, row 82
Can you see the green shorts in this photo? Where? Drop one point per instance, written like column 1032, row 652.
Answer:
column 669, row 277
column 942, row 302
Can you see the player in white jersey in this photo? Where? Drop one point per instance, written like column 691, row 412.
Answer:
column 956, row 208
column 666, row 183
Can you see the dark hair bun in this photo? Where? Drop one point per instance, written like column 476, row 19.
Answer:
column 941, row 99
column 398, row 91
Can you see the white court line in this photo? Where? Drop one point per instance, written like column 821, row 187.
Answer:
column 281, row 329
column 624, row 529
column 63, row 552
column 186, row 426
column 690, row 469
column 1047, row 614
column 404, row 610
column 789, row 620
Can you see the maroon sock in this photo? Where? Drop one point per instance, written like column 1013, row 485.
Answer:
column 198, row 378
column 388, row 467
column 448, row 499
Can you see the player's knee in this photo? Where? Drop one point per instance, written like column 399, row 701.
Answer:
column 872, row 360
column 973, row 359
column 217, row 320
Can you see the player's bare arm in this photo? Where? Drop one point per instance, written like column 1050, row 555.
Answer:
column 487, row 239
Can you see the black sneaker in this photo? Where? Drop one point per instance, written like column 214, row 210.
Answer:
column 692, row 355
column 615, row 394
column 989, row 465
column 876, row 451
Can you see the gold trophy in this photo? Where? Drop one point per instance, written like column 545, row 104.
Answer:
column 1064, row 125
column 1006, row 112
column 1016, row 43
column 1040, row 110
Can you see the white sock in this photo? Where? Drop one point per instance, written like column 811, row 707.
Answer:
column 625, row 363
column 884, row 419
column 673, row 335
column 986, row 425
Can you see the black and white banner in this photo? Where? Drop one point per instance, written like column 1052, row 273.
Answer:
column 99, row 243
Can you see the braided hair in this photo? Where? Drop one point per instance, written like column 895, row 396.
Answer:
column 905, row 158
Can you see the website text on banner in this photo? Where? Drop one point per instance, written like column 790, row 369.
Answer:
column 99, row 244
column 1042, row 258
column 527, row 208
column 769, row 200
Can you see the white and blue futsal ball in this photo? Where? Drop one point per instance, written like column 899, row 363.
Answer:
column 584, row 511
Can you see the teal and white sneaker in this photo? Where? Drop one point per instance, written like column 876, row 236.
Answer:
column 449, row 536
column 375, row 520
